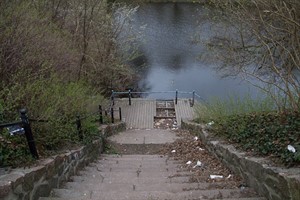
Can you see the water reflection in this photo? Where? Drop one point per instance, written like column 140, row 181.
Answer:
column 169, row 47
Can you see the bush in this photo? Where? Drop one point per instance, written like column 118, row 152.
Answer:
column 254, row 126
column 55, row 101
column 267, row 134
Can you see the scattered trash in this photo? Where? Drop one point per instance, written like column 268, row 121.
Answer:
column 215, row 176
column 173, row 151
column 229, row 176
column 196, row 138
column 189, row 162
column 210, row 123
column 199, row 164
column 291, row 148
column 201, row 149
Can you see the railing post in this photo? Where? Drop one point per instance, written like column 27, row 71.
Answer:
column 129, row 96
column 113, row 97
column 112, row 115
column 100, row 114
column 79, row 128
column 176, row 97
column 120, row 113
column 28, row 133
column 193, row 99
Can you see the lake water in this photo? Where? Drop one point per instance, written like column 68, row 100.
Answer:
column 167, row 43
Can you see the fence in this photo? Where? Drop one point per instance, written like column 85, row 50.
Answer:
column 176, row 93
column 24, row 123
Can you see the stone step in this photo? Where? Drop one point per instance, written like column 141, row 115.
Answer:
column 164, row 171
column 138, row 173
column 124, row 179
column 136, row 158
column 139, row 195
column 78, row 198
column 172, row 187
column 167, row 187
column 131, row 168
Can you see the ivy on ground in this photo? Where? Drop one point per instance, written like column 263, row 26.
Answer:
column 266, row 134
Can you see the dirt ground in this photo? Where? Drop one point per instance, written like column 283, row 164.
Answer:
column 187, row 149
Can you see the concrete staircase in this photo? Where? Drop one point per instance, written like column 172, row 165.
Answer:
column 144, row 177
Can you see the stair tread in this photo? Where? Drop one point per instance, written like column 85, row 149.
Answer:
column 78, row 198
column 224, row 193
column 172, row 187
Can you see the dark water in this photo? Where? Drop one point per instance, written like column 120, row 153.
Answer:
column 174, row 58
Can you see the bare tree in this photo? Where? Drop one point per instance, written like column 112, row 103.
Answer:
column 262, row 42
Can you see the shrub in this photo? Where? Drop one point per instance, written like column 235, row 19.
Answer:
column 254, row 126
column 55, row 101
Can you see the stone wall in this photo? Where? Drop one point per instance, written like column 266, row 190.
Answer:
column 275, row 183
column 34, row 182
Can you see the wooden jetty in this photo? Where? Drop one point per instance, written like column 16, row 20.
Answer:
column 141, row 113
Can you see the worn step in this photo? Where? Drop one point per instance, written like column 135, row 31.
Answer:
column 138, row 195
column 167, row 187
column 97, row 180
column 78, row 198
column 119, row 170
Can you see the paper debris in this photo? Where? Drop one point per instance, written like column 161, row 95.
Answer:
column 291, row 148
column 210, row 123
column 199, row 164
column 229, row 176
column 196, row 138
column 215, row 176
column 189, row 162
column 200, row 149
column 173, row 151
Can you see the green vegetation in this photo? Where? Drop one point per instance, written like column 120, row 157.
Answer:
column 255, row 126
column 258, row 40
column 58, row 59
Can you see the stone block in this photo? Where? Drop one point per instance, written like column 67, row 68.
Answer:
column 5, row 188
column 41, row 190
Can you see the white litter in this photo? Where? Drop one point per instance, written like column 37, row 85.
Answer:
column 229, row 176
column 210, row 123
column 199, row 164
column 291, row 148
column 215, row 176
column 189, row 162
column 200, row 149
column 173, row 151
column 196, row 138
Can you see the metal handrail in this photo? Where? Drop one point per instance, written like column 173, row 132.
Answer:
column 176, row 92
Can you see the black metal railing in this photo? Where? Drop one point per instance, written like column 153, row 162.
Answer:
column 193, row 95
column 25, row 125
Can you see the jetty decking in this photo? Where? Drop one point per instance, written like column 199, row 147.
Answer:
column 140, row 115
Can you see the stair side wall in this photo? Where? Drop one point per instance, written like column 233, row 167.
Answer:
column 275, row 183
column 38, row 181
